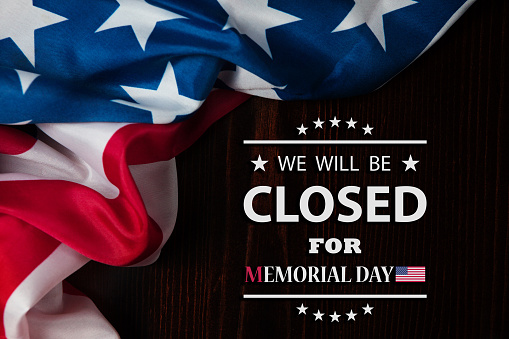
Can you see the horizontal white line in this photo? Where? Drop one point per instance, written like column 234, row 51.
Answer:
column 335, row 296
column 335, row 142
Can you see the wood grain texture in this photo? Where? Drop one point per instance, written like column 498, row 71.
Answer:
column 456, row 97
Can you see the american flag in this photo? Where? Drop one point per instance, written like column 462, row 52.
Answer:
column 410, row 274
column 156, row 61
column 89, row 181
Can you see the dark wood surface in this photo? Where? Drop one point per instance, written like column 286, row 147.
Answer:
column 456, row 97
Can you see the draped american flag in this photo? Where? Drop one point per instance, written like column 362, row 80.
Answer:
column 102, row 186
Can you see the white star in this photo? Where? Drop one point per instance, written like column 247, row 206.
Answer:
column 302, row 129
column 254, row 18
column 371, row 13
column 26, row 79
column 318, row 123
column 335, row 122
column 335, row 317
column 165, row 103
column 260, row 164
column 367, row 309
column 351, row 315
column 367, row 129
column 302, row 309
column 19, row 19
column 410, row 163
column 141, row 16
column 318, row 315
column 351, row 123
column 244, row 81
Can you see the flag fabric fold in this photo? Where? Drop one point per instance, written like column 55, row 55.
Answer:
column 117, row 88
column 100, row 191
column 156, row 61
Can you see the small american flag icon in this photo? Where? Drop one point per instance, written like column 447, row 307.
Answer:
column 410, row 274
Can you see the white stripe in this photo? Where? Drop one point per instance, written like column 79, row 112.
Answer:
column 62, row 316
column 48, row 160
column 19, row 123
column 159, row 196
column 55, row 268
column 86, row 140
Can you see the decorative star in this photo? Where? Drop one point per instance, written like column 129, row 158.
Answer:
column 260, row 164
column 371, row 13
column 302, row 129
column 318, row 315
column 367, row 129
column 335, row 122
column 244, row 81
column 351, row 123
column 19, row 19
column 302, row 309
column 253, row 18
column 165, row 103
column 318, row 123
column 367, row 309
column 26, row 79
column 335, row 317
column 141, row 16
column 351, row 315
column 410, row 163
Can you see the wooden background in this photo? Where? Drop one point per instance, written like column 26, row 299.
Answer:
column 456, row 97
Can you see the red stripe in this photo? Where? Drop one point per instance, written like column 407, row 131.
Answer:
column 167, row 141
column 119, row 231
column 22, row 249
column 69, row 289
column 14, row 142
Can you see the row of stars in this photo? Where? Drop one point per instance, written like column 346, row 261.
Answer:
column 260, row 164
column 143, row 17
column 335, row 317
column 334, row 123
